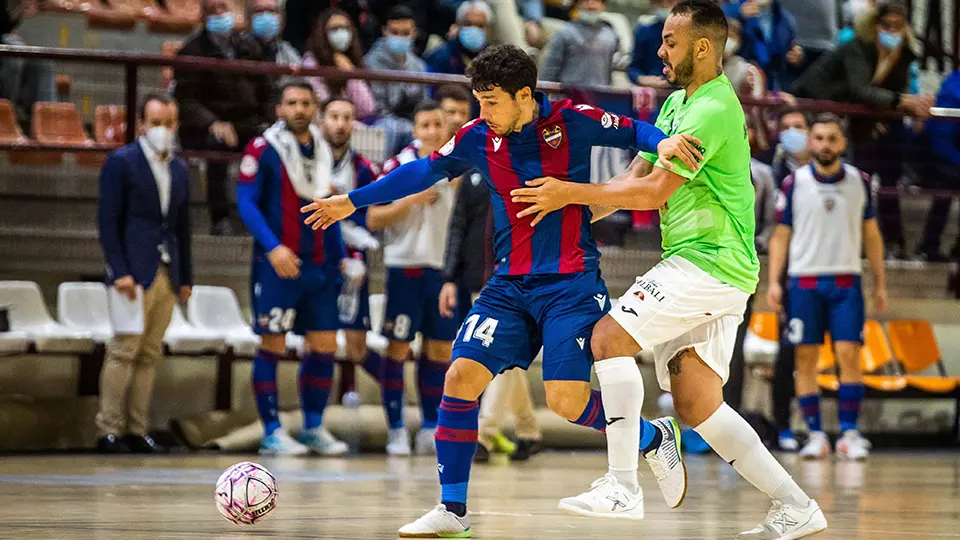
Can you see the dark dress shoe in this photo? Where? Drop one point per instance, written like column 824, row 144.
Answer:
column 525, row 449
column 143, row 444
column 482, row 455
column 111, row 444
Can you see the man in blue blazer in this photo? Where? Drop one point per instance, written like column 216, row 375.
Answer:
column 144, row 225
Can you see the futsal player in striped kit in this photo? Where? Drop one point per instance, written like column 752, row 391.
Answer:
column 826, row 219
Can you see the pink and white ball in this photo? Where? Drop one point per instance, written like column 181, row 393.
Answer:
column 246, row 493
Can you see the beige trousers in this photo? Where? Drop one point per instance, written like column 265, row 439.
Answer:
column 126, row 380
column 509, row 391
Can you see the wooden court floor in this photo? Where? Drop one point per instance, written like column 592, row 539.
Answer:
column 892, row 496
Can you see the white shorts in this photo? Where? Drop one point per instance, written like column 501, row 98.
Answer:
column 677, row 306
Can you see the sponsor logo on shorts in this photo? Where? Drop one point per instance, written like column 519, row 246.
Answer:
column 631, row 311
column 651, row 287
column 614, row 420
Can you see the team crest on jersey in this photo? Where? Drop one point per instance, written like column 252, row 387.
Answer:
column 829, row 203
column 553, row 136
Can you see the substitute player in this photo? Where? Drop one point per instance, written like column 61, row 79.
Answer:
column 546, row 288
column 414, row 236
column 826, row 219
column 296, row 272
column 688, row 307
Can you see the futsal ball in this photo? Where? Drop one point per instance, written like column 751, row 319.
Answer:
column 246, row 493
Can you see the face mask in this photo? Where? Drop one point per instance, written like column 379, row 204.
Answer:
column 473, row 38
column 889, row 40
column 794, row 140
column 160, row 139
column 399, row 45
column 661, row 13
column 220, row 25
column 731, row 48
column 265, row 25
column 590, row 17
column 340, row 39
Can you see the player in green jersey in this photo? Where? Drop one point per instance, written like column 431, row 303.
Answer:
column 687, row 308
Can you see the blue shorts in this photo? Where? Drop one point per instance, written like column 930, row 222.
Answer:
column 413, row 305
column 355, row 310
column 515, row 316
column 820, row 304
column 305, row 304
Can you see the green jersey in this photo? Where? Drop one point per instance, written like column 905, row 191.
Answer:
column 709, row 221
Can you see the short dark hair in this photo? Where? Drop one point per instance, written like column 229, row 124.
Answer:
column 294, row 83
column 400, row 13
column 892, row 6
column 426, row 105
column 327, row 102
column 793, row 110
column 829, row 118
column 454, row 92
column 707, row 17
column 506, row 66
column 161, row 97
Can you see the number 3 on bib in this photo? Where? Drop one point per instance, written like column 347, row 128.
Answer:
column 483, row 331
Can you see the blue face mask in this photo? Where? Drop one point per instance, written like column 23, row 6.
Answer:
column 399, row 45
column 265, row 25
column 890, row 40
column 473, row 38
column 220, row 25
column 589, row 17
column 793, row 140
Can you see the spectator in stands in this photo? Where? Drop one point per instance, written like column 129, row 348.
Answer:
column 944, row 137
column 816, row 24
column 220, row 111
column 874, row 69
column 473, row 17
column 582, row 51
column 768, row 39
column 396, row 101
column 266, row 24
column 335, row 43
column 791, row 153
column 23, row 81
column 144, row 227
column 532, row 13
column 646, row 67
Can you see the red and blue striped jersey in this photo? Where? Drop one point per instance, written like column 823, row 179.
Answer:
column 270, row 208
column 558, row 143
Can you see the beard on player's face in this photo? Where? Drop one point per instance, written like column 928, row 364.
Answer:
column 826, row 157
column 682, row 73
column 298, row 123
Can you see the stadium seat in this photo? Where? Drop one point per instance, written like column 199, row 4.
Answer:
column 68, row 6
column 110, row 124
column 762, row 341
column 216, row 309
column 28, row 313
column 162, row 21
column 58, row 123
column 10, row 132
column 827, row 361
column 184, row 338
column 112, row 15
column 186, row 9
column 82, row 306
column 915, row 347
column 875, row 355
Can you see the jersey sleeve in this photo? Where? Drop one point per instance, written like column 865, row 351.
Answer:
column 785, row 203
column 707, row 121
column 604, row 128
column 249, row 186
column 458, row 155
column 868, row 210
column 367, row 172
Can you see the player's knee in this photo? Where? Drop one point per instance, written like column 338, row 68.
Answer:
column 466, row 379
column 610, row 340
column 321, row 342
column 807, row 357
column 567, row 404
column 276, row 344
column 438, row 351
column 398, row 350
column 356, row 345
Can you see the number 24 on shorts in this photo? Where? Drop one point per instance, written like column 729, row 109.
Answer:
column 483, row 331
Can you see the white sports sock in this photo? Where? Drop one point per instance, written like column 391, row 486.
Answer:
column 621, row 389
column 738, row 444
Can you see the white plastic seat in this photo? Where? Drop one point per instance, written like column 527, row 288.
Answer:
column 758, row 350
column 184, row 338
column 83, row 306
column 217, row 310
column 28, row 314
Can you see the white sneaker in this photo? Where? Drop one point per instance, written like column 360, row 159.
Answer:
column 426, row 444
column 852, row 446
column 322, row 442
column 788, row 444
column 817, row 447
column 398, row 442
column 280, row 443
column 666, row 462
column 607, row 498
column 788, row 522
column 437, row 523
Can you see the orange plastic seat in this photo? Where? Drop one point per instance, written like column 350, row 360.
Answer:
column 932, row 384
column 110, row 124
column 885, row 383
column 185, row 9
column 914, row 345
column 827, row 360
column 765, row 325
column 875, row 353
column 113, row 15
column 162, row 21
column 60, row 124
column 828, row 382
column 10, row 132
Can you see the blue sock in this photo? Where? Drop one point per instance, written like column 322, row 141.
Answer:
column 392, row 382
column 592, row 415
column 456, row 444
column 373, row 364
column 786, row 434
column 430, row 376
column 650, row 437
column 316, row 376
column 810, row 407
column 849, row 398
column 264, row 379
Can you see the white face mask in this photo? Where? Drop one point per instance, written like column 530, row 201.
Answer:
column 160, row 139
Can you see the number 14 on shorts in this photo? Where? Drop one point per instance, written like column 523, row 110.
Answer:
column 476, row 329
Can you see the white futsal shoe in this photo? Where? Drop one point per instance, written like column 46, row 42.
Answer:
column 817, row 447
column 852, row 446
column 606, row 498
column 322, row 442
column 398, row 442
column 280, row 443
column 426, row 443
column 788, row 522
column 437, row 523
column 666, row 462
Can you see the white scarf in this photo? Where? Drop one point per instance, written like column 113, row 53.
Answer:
column 310, row 177
column 344, row 174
